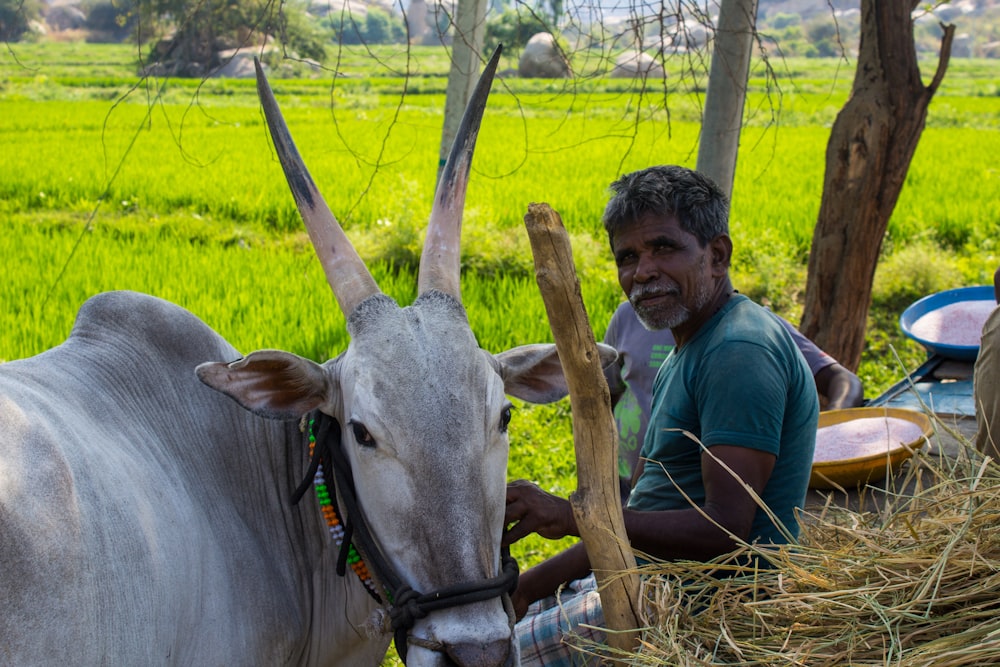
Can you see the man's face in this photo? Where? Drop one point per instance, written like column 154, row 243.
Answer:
column 663, row 270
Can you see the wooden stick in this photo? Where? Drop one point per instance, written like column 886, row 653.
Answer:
column 597, row 501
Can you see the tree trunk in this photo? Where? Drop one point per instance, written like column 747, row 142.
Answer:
column 871, row 144
column 467, row 47
column 722, row 119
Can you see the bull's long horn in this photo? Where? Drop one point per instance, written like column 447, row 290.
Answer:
column 440, row 262
column 345, row 270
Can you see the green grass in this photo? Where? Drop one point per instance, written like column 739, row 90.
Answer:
column 191, row 161
column 171, row 187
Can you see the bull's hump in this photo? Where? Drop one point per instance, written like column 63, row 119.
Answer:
column 144, row 322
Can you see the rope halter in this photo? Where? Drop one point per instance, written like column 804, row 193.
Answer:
column 405, row 605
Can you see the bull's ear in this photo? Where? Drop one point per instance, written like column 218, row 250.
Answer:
column 533, row 372
column 270, row 383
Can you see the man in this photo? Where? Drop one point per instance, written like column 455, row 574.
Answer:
column 986, row 383
column 734, row 381
column 640, row 353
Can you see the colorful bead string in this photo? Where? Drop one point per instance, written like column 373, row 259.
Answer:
column 333, row 521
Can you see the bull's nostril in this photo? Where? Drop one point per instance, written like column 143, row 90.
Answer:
column 479, row 654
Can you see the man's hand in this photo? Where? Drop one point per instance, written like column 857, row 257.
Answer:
column 532, row 510
column 840, row 387
column 520, row 602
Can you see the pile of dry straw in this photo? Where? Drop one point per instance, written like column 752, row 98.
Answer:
column 911, row 576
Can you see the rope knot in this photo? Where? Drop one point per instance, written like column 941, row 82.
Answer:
column 406, row 609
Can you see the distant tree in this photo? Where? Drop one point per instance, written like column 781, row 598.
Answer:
column 555, row 13
column 301, row 33
column 111, row 20
column 374, row 27
column 16, row 17
column 513, row 28
column 441, row 17
column 824, row 38
column 782, row 21
column 197, row 30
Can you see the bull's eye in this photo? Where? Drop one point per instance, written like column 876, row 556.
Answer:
column 361, row 434
column 505, row 418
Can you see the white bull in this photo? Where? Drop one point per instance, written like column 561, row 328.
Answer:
column 145, row 518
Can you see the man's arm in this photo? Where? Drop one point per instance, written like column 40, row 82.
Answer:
column 544, row 579
column 840, row 387
column 693, row 533
column 703, row 533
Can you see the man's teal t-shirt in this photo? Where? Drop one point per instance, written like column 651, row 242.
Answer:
column 740, row 381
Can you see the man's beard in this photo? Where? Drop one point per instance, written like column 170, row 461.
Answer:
column 669, row 315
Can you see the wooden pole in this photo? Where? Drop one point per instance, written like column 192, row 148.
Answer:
column 597, row 501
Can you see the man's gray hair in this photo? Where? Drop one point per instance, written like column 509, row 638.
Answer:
column 701, row 207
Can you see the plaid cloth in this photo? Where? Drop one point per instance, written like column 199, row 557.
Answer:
column 552, row 626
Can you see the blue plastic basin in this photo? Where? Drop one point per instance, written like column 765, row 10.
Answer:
column 939, row 300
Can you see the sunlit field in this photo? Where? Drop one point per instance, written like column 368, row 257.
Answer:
column 171, row 187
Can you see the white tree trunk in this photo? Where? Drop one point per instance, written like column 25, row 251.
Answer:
column 727, row 87
column 470, row 34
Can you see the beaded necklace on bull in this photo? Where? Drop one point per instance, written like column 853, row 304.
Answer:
column 328, row 507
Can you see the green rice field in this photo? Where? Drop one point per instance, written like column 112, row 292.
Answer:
column 171, row 187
